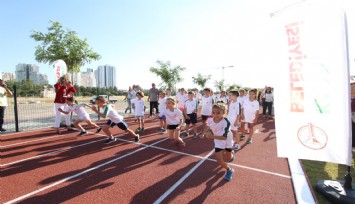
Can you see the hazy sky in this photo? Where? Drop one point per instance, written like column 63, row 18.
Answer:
column 200, row 35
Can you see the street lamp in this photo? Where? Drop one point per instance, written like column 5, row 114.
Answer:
column 231, row 66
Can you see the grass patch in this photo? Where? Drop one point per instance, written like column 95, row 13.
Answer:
column 317, row 170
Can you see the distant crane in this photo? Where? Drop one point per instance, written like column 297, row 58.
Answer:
column 222, row 68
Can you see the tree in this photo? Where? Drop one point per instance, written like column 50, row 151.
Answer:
column 201, row 80
column 219, row 85
column 170, row 75
column 234, row 87
column 58, row 43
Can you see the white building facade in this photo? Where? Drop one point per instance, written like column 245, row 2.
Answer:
column 30, row 72
column 106, row 76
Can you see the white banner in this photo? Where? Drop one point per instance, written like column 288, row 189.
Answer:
column 60, row 68
column 312, row 90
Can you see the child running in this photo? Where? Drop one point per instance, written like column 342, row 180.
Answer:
column 114, row 119
column 162, row 106
column 174, row 122
column 250, row 114
column 181, row 97
column 233, row 117
column 139, row 109
column 218, row 128
column 190, row 113
column 206, row 109
column 83, row 116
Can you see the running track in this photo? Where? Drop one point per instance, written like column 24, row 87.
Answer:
column 42, row 167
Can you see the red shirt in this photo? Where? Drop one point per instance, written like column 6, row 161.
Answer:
column 70, row 89
column 61, row 93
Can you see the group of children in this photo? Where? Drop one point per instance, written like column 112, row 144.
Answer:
column 221, row 118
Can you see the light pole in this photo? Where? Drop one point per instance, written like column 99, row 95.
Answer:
column 231, row 66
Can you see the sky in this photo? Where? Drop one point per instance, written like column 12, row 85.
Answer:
column 201, row 35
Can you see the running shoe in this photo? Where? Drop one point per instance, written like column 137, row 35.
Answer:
column 184, row 134
column 82, row 133
column 229, row 174
column 160, row 130
column 242, row 137
column 182, row 145
column 236, row 147
column 109, row 140
column 142, row 130
column 164, row 131
column 98, row 130
column 249, row 141
column 138, row 130
column 2, row 130
column 136, row 138
column 195, row 136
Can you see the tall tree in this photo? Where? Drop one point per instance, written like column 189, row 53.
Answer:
column 58, row 43
column 201, row 80
column 170, row 75
column 219, row 85
column 234, row 87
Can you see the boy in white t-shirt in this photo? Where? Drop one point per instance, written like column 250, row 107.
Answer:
column 139, row 109
column 181, row 97
column 206, row 106
column 250, row 114
column 114, row 119
column 83, row 116
column 190, row 113
column 233, row 117
column 218, row 128
column 162, row 106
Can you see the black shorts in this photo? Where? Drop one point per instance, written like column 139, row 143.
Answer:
column 122, row 125
column 193, row 118
column 172, row 127
column 204, row 117
column 219, row 149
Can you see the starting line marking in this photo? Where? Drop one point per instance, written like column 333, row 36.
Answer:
column 79, row 174
column 182, row 179
column 19, row 143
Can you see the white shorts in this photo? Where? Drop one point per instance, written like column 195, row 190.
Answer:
column 223, row 144
column 232, row 121
column 249, row 118
column 139, row 116
column 84, row 117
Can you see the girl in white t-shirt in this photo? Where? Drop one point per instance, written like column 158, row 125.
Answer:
column 139, row 110
column 83, row 116
column 174, row 120
column 250, row 114
column 233, row 117
column 218, row 128
column 206, row 106
column 162, row 106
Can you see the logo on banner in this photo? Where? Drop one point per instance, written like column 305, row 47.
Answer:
column 312, row 137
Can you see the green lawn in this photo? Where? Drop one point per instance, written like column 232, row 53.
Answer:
column 316, row 170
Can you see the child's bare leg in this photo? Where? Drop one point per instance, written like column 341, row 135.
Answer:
column 187, row 128
column 106, row 129
column 194, row 127
column 77, row 125
column 228, row 155
column 142, row 122
column 171, row 134
column 251, row 130
column 165, row 125
column 177, row 136
column 161, row 123
column 219, row 158
column 139, row 123
column 242, row 128
column 236, row 136
column 129, row 131
column 89, row 122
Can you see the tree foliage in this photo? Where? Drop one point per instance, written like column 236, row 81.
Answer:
column 219, row 85
column 58, row 43
column 27, row 87
column 234, row 87
column 201, row 80
column 170, row 75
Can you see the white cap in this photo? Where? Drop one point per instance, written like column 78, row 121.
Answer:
column 352, row 79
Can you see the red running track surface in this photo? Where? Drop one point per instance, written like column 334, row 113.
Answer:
column 42, row 167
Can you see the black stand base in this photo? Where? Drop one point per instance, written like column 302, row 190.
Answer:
column 335, row 192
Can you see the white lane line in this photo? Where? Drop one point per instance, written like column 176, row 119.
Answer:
column 49, row 153
column 78, row 174
column 182, row 179
column 44, row 138
column 64, row 149
column 209, row 159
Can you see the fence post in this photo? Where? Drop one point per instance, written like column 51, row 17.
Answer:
column 15, row 109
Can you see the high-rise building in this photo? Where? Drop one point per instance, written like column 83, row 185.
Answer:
column 7, row 76
column 106, row 76
column 30, row 72
column 88, row 78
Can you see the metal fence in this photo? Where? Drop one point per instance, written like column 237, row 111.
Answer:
column 32, row 112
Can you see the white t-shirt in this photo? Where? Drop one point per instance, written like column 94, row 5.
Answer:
column 162, row 103
column 269, row 97
column 112, row 114
column 181, row 98
column 241, row 99
column 78, row 109
column 172, row 117
column 138, row 106
column 3, row 94
column 233, row 110
column 224, row 99
column 221, row 128
column 249, row 110
column 198, row 96
column 133, row 94
column 191, row 106
column 206, row 104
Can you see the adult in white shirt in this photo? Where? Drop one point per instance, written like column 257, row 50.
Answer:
column 4, row 92
column 268, row 99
